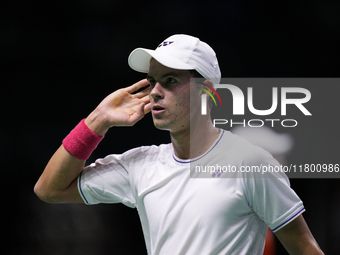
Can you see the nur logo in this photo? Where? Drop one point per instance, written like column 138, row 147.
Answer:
column 238, row 99
column 299, row 97
column 204, row 97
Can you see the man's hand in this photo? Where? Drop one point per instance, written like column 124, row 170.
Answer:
column 121, row 108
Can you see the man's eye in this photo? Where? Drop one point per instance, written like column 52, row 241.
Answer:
column 170, row 80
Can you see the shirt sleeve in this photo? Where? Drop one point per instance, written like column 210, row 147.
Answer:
column 109, row 180
column 270, row 194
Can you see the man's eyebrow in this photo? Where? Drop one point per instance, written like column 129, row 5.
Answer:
column 174, row 74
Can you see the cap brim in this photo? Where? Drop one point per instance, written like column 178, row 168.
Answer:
column 139, row 60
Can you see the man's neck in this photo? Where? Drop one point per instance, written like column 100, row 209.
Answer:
column 195, row 141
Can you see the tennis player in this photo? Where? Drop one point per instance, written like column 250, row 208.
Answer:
column 179, row 214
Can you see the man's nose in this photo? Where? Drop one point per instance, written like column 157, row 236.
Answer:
column 157, row 91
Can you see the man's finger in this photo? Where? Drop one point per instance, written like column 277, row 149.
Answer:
column 137, row 86
column 143, row 93
column 147, row 108
column 145, row 99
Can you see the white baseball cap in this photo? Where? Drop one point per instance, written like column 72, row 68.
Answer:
column 182, row 52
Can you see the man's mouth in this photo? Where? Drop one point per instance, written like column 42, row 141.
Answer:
column 157, row 109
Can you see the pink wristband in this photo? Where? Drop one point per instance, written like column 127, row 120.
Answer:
column 81, row 141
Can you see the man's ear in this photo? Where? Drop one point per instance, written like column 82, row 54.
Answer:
column 208, row 82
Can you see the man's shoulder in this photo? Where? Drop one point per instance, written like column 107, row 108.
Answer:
column 243, row 148
column 236, row 142
column 148, row 151
column 139, row 156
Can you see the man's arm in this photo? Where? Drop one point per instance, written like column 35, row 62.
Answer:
column 297, row 238
column 58, row 182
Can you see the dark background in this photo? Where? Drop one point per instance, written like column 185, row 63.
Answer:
column 61, row 58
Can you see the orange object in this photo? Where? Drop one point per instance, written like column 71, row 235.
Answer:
column 270, row 247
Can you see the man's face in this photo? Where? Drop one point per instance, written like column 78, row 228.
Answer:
column 170, row 97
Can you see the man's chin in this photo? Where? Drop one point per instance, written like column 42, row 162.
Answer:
column 159, row 125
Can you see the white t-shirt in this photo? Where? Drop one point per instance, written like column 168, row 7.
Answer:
column 186, row 215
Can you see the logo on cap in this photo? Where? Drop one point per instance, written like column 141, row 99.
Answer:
column 165, row 43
